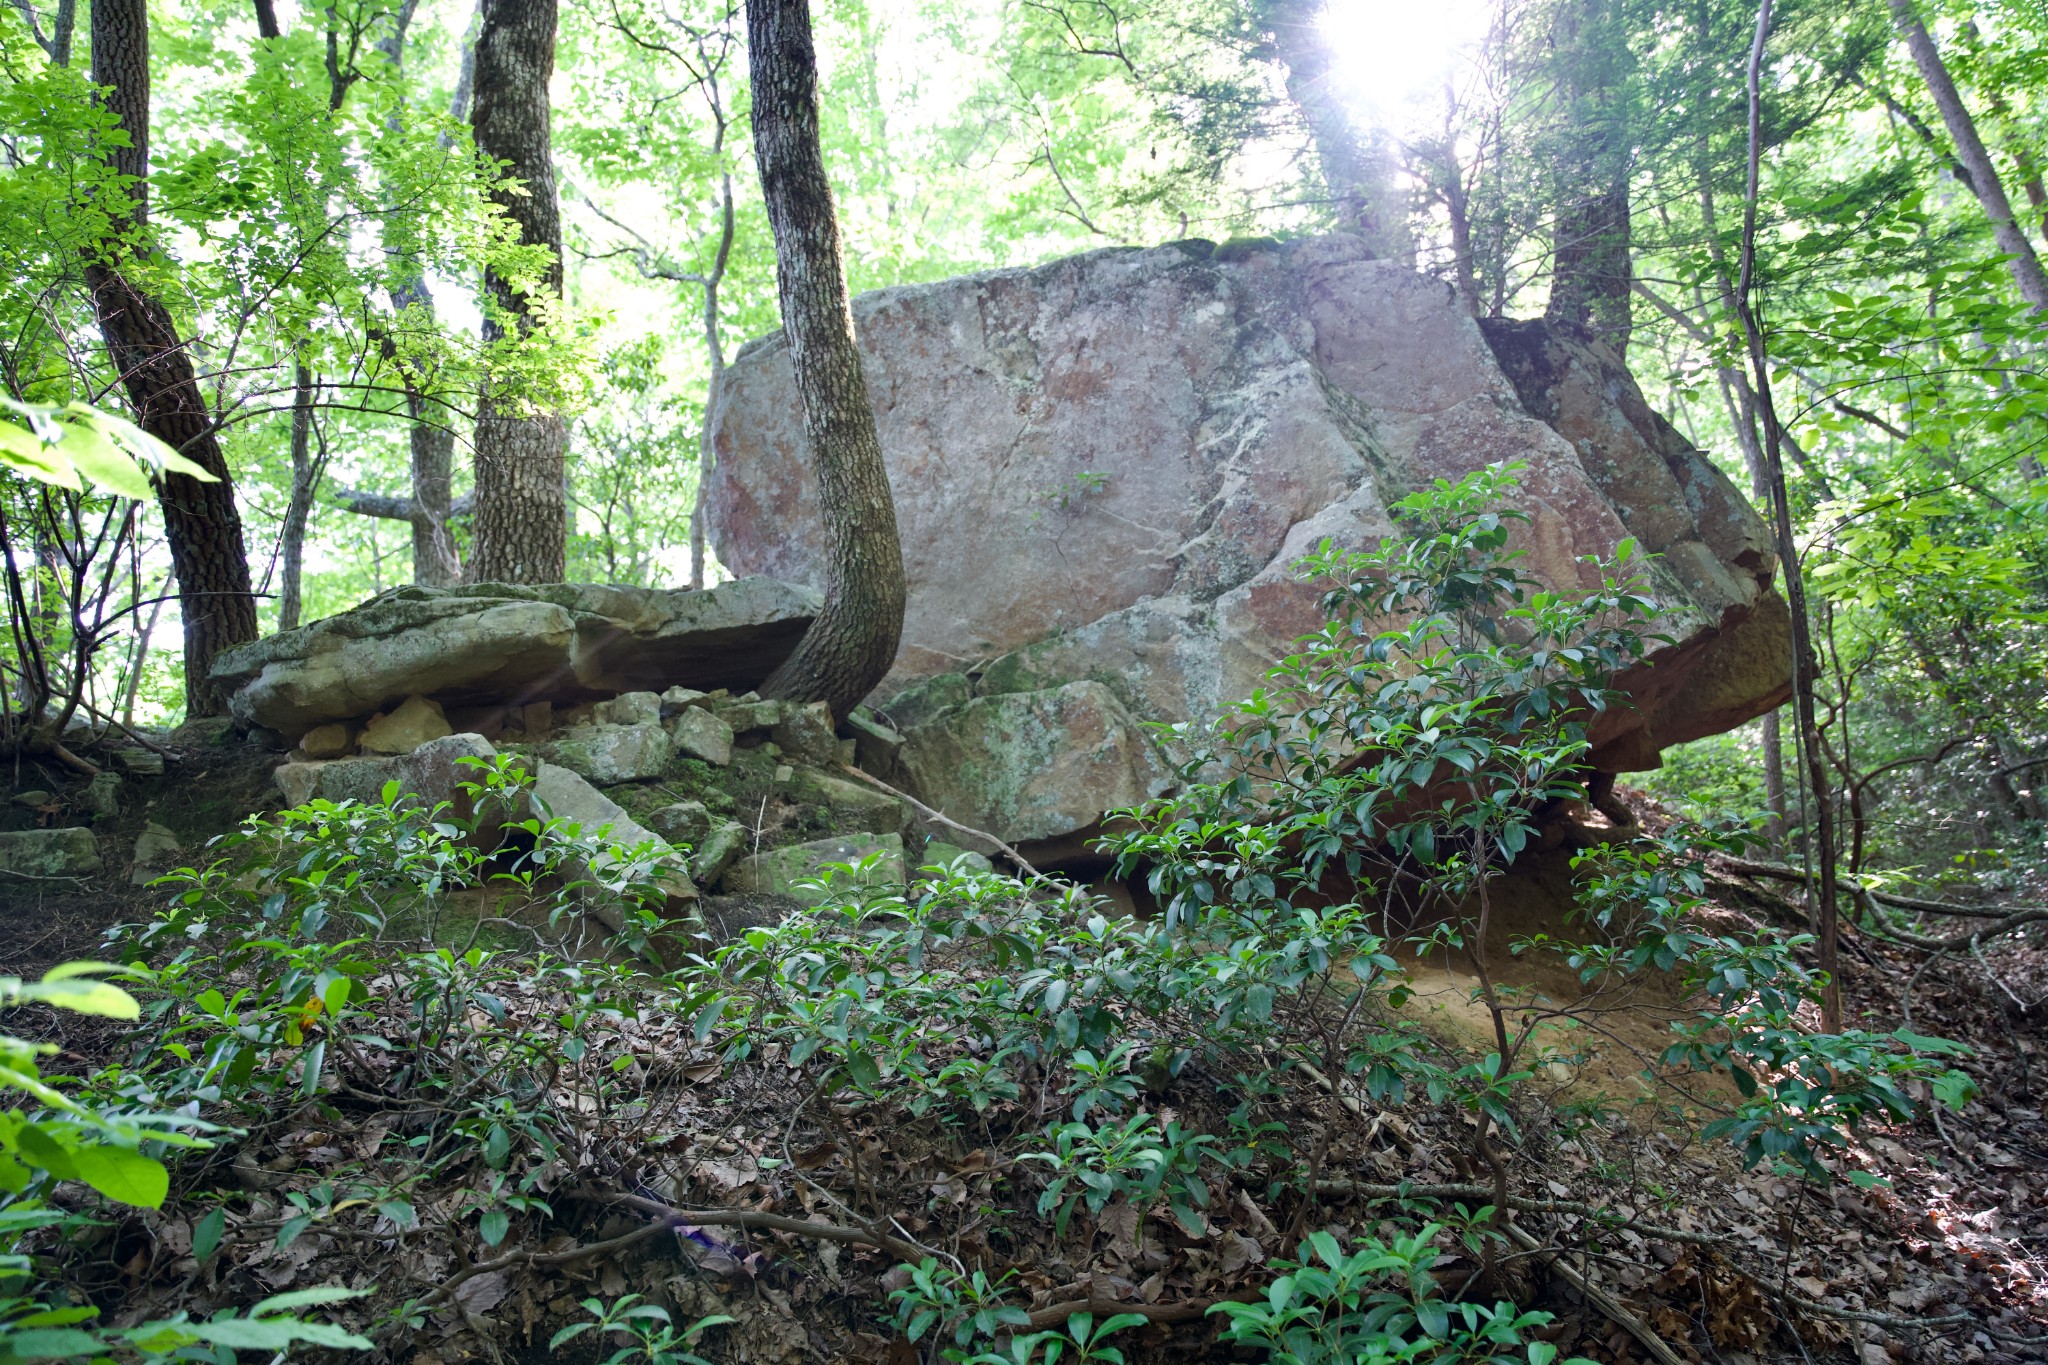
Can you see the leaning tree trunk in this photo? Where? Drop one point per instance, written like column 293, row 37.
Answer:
column 521, row 519
column 1591, row 277
column 1983, row 179
column 200, row 520
column 853, row 640
column 1357, row 164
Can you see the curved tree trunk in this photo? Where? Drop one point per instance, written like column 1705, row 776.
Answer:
column 200, row 519
column 853, row 640
column 521, row 525
column 1357, row 164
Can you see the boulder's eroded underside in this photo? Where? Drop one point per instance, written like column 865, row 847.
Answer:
column 1105, row 469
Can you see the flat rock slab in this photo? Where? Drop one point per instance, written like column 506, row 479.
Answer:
column 1106, row 467
column 505, row 646
column 49, row 852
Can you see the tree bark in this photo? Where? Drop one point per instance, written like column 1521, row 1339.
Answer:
column 714, row 347
column 1982, row 180
column 298, row 511
column 201, row 523
column 1357, row 164
column 1590, row 269
column 521, row 525
column 853, row 641
column 1804, row 662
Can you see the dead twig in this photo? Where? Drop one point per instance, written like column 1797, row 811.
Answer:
column 938, row 817
column 1609, row 1306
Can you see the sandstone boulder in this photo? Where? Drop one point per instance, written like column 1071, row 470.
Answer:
column 1034, row 765
column 684, row 824
column 506, row 646
column 1105, row 468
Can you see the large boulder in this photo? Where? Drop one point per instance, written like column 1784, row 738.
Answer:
column 1105, row 469
column 503, row 647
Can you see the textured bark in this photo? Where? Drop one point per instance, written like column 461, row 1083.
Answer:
column 853, row 640
column 1970, row 152
column 56, row 44
column 298, row 511
column 521, row 522
column 1357, row 165
column 201, row 523
column 1590, row 270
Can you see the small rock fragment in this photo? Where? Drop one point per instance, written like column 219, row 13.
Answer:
column 156, row 851
column 139, row 762
column 676, row 698
column 101, row 798
column 805, row 732
column 331, row 740
column 415, row 721
column 719, row 850
column 34, row 800
column 701, row 734
column 630, row 708
column 686, row 822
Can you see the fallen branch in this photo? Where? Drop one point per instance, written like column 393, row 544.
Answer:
column 2005, row 918
column 1609, row 1306
column 1187, row 1310
column 1903, row 1324
column 1605, row 1217
column 941, row 818
column 750, row 1218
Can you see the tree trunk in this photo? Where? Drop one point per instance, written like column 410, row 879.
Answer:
column 521, row 525
column 200, row 520
column 1591, row 231
column 1805, row 668
column 299, row 511
column 707, row 453
column 853, row 640
column 1982, row 180
column 1357, row 164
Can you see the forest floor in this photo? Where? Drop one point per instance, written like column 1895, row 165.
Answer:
column 726, row 1190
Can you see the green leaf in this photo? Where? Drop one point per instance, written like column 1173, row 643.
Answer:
column 24, row 453
column 309, row 1082
column 95, row 456
column 83, row 996
column 861, row 1067
column 493, row 1226
column 206, row 1235
column 123, row 1175
column 305, row 1298
column 48, row 1343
